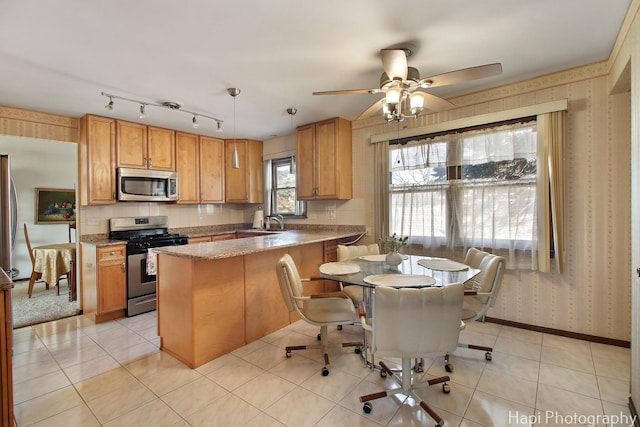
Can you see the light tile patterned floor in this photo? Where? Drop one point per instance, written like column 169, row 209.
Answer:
column 72, row 372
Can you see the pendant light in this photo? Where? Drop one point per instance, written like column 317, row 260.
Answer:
column 292, row 165
column 235, row 160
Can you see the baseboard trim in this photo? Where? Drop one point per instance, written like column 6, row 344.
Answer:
column 585, row 337
column 634, row 413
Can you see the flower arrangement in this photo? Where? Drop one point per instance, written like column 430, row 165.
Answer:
column 393, row 243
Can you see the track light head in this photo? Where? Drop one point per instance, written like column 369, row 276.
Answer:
column 196, row 125
column 219, row 127
column 109, row 106
column 143, row 112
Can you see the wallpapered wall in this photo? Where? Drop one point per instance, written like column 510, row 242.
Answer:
column 593, row 295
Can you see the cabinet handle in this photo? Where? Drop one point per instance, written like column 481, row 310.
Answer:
column 124, row 267
column 112, row 253
column 144, row 162
column 149, row 163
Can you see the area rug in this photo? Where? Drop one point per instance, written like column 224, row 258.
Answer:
column 43, row 306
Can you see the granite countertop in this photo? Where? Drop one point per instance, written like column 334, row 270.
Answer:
column 246, row 246
column 212, row 230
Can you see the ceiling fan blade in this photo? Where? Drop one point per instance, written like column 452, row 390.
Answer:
column 394, row 62
column 347, row 91
column 372, row 110
column 462, row 75
column 435, row 103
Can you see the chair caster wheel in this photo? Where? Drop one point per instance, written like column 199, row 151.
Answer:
column 383, row 373
column 339, row 327
column 325, row 372
column 319, row 337
column 488, row 355
column 448, row 367
column 357, row 350
column 367, row 407
column 446, row 388
column 288, row 354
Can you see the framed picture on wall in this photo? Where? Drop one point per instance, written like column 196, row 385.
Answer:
column 55, row 206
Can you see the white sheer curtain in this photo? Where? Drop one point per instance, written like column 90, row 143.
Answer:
column 467, row 189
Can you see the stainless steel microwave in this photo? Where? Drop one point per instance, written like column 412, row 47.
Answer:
column 143, row 185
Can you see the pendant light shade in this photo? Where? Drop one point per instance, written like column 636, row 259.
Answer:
column 235, row 159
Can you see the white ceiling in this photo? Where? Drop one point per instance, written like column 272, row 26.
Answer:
column 58, row 56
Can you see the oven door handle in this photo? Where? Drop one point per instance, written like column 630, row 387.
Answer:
column 146, row 300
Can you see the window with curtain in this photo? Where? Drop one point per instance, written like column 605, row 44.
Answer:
column 474, row 188
column 280, row 187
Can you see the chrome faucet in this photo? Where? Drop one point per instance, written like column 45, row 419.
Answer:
column 277, row 218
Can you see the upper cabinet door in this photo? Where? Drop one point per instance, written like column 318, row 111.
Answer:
column 323, row 152
column 305, row 162
column 326, row 153
column 97, row 183
column 161, row 149
column 212, row 171
column 236, row 182
column 188, row 167
column 245, row 184
column 145, row 147
column 131, row 147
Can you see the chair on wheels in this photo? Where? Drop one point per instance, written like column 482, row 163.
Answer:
column 350, row 252
column 480, row 293
column 35, row 275
column 324, row 310
column 412, row 323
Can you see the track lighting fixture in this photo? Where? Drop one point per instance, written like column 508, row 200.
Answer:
column 235, row 159
column 171, row 105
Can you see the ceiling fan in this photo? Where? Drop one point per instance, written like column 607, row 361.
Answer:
column 404, row 90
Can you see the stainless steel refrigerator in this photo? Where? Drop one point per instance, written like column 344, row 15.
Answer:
column 8, row 215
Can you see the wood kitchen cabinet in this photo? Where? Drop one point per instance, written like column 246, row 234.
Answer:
column 6, row 351
column 245, row 184
column 104, row 281
column 212, row 172
column 97, row 160
column 188, row 167
column 145, row 147
column 323, row 157
column 200, row 239
column 200, row 167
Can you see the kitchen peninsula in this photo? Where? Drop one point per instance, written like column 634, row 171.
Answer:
column 218, row 296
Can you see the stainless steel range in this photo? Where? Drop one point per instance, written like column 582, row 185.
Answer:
column 141, row 234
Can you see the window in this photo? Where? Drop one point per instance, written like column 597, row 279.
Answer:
column 281, row 189
column 474, row 188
